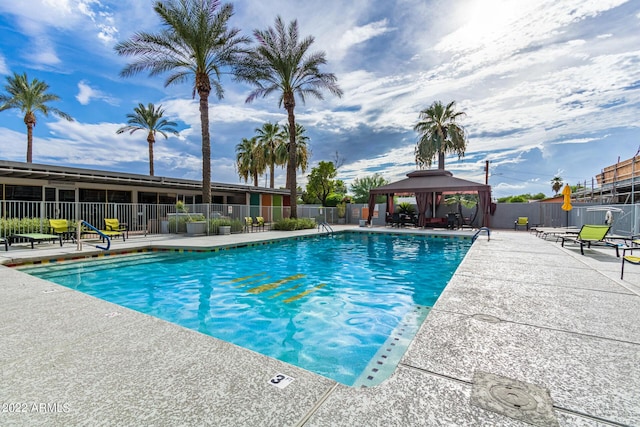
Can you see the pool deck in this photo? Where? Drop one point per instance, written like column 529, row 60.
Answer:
column 526, row 333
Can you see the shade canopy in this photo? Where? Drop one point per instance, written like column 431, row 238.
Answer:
column 425, row 185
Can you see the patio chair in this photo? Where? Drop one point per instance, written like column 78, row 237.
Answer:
column 112, row 224
column 590, row 235
column 6, row 245
column 522, row 221
column 258, row 222
column 248, row 223
column 395, row 219
column 63, row 228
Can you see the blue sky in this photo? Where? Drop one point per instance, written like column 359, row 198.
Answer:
column 548, row 87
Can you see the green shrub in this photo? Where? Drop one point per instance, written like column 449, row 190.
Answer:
column 237, row 226
column 10, row 226
column 332, row 200
column 289, row 224
column 215, row 223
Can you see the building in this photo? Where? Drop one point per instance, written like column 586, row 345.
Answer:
column 617, row 183
column 30, row 190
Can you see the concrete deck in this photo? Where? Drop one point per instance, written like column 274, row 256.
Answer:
column 525, row 333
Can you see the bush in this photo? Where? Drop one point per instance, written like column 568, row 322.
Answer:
column 10, row 226
column 214, row 224
column 332, row 200
column 289, row 224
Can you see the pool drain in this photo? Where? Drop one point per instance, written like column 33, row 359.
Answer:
column 486, row 318
column 515, row 399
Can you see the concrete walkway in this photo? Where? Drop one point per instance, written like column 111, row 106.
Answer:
column 525, row 333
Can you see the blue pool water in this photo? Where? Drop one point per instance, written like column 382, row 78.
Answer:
column 343, row 306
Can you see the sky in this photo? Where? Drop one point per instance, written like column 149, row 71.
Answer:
column 548, row 87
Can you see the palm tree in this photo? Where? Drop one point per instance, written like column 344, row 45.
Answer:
column 280, row 63
column 149, row 119
column 439, row 134
column 302, row 149
column 556, row 184
column 269, row 139
column 195, row 42
column 29, row 98
column 249, row 161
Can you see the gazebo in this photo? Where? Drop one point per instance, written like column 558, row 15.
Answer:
column 429, row 186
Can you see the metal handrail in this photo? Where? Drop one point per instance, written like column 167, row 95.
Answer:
column 98, row 232
column 326, row 227
column 475, row 236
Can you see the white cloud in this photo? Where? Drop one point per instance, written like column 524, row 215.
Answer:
column 3, row 66
column 357, row 35
column 86, row 94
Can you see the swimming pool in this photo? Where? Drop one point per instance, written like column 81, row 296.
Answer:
column 344, row 306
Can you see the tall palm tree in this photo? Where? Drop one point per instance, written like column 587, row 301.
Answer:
column 29, row 98
column 149, row 119
column 440, row 133
column 556, row 184
column 303, row 153
column 269, row 139
column 194, row 43
column 280, row 63
column 249, row 160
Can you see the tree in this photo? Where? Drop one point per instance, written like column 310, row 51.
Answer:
column 249, row 161
column 270, row 140
column 280, row 63
column 556, row 184
column 149, row 119
column 361, row 186
column 321, row 181
column 194, row 43
column 29, row 98
column 440, row 133
column 302, row 147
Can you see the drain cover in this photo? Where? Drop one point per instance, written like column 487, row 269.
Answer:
column 486, row 318
column 522, row 401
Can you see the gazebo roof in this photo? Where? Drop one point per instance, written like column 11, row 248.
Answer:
column 423, row 181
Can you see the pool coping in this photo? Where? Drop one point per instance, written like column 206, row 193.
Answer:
column 127, row 368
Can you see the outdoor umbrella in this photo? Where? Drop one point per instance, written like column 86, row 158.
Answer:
column 566, row 206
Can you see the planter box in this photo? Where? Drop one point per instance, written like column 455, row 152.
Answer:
column 196, row 227
column 224, row 229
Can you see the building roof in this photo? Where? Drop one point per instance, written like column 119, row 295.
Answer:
column 68, row 174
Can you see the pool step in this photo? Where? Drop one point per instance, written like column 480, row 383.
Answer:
column 52, row 270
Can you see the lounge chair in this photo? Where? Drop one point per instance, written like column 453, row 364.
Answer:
column 632, row 259
column 590, row 235
column 248, row 223
column 112, row 224
column 109, row 233
column 522, row 221
column 34, row 237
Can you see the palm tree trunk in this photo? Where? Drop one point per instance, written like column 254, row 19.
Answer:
column 206, row 146
column 291, row 167
column 30, row 121
column 289, row 105
column 441, row 160
column 29, row 142
column 150, row 140
column 272, row 175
